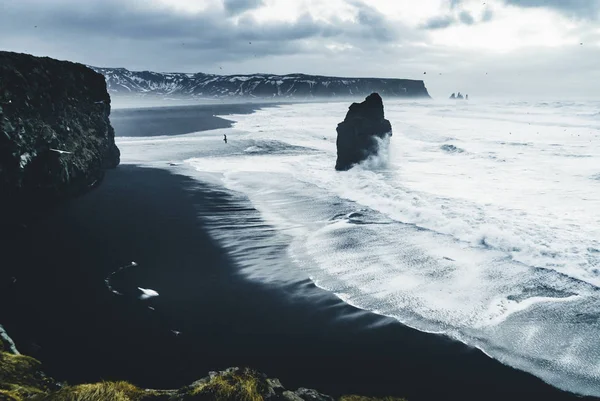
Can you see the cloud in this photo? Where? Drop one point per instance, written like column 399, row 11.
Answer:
column 488, row 14
column 235, row 7
column 339, row 37
column 378, row 27
column 439, row 22
column 446, row 21
column 121, row 33
column 456, row 16
column 455, row 3
column 584, row 9
column 466, row 18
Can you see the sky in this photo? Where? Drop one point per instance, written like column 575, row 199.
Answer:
column 518, row 49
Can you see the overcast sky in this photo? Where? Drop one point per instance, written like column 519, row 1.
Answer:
column 514, row 48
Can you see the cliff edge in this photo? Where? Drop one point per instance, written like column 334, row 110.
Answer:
column 22, row 377
column 55, row 135
column 123, row 82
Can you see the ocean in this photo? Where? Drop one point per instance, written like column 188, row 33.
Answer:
column 480, row 221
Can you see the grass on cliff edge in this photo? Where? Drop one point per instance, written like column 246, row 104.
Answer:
column 243, row 385
column 114, row 391
column 21, row 379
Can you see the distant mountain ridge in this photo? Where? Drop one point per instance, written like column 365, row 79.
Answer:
column 121, row 81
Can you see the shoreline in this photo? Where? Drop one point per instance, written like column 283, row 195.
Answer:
column 177, row 120
column 62, row 313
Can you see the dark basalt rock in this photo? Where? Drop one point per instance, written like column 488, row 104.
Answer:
column 55, row 135
column 358, row 134
column 459, row 96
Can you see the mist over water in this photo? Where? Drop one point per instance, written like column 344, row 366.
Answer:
column 481, row 221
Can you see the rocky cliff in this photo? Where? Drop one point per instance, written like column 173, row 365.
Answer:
column 362, row 132
column 55, row 136
column 21, row 377
column 124, row 82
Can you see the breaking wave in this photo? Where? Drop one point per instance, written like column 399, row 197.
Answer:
column 501, row 256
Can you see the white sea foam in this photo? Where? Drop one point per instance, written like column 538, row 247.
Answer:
column 496, row 245
column 147, row 293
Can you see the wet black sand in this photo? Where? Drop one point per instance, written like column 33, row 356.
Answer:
column 176, row 120
column 60, row 311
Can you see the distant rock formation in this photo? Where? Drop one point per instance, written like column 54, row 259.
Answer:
column 459, row 96
column 55, row 135
column 263, row 86
column 359, row 134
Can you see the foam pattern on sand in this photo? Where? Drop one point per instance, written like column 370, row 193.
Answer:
column 496, row 246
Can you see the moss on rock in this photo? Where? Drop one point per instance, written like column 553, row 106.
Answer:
column 6, row 395
column 117, row 391
column 232, row 385
column 21, row 378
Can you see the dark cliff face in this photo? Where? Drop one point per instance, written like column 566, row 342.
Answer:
column 55, row 136
column 124, row 82
column 361, row 132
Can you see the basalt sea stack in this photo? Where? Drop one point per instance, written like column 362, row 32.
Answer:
column 361, row 132
column 55, row 134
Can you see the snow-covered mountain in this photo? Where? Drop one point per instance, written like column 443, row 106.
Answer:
column 121, row 81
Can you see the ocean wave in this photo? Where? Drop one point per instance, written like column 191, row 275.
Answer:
column 273, row 147
column 574, row 155
column 451, row 148
column 500, row 256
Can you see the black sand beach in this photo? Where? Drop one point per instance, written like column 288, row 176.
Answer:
column 60, row 311
column 177, row 120
column 55, row 303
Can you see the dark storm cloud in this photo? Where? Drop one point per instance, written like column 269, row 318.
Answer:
column 118, row 33
column 586, row 9
column 235, row 7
